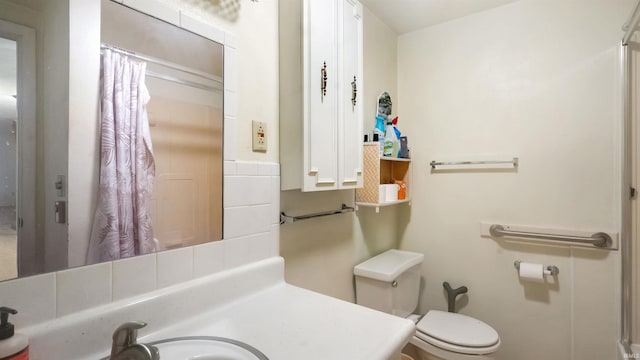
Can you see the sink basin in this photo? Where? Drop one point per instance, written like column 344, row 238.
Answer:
column 205, row 348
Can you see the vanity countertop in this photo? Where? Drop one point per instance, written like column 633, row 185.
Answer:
column 252, row 304
column 287, row 322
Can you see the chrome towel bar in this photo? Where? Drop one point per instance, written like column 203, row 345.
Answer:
column 284, row 218
column 599, row 239
column 513, row 162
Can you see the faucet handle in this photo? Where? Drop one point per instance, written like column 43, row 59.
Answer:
column 126, row 335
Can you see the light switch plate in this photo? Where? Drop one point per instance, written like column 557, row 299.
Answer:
column 259, row 135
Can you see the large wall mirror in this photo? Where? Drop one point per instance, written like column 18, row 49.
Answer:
column 183, row 78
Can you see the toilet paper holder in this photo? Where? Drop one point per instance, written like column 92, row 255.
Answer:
column 548, row 270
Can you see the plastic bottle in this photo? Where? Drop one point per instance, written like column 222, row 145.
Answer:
column 391, row 143
column 395, row 127
column 12, row 346
column 379, row 130
column 379, row 126
column 394, row 122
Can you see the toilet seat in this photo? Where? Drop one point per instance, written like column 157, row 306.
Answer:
column 457, row 333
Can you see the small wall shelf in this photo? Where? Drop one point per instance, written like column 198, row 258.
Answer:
column 379, row 205
column 381, row 170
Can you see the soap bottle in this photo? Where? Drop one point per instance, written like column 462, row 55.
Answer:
column 12, row 346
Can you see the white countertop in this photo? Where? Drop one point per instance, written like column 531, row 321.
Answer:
column 287, row 322
column 252, row 304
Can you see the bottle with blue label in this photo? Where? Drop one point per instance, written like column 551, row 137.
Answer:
column 379, row 131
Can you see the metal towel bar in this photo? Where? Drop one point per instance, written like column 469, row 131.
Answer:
column 599, row 239
column 513, row 162
column 284, row 218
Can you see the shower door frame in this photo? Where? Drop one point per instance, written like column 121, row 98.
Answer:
column 25, row 38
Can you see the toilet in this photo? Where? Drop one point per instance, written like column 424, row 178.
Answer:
column 390, row 282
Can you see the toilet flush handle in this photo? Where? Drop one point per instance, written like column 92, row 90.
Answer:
column 452, row 294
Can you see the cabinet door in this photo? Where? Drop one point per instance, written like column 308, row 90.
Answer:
column 349, row 94
column 320, row 115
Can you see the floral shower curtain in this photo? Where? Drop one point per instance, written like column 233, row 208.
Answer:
column 122, row 222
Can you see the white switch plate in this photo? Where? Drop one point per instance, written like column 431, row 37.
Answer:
column 259, row 135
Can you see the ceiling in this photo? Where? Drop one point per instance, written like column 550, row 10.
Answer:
column 404, row 16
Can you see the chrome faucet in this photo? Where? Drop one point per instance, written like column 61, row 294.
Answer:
column 125, row 344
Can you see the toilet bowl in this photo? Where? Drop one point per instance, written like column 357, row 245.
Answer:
column 453, row 336
column 390, row 282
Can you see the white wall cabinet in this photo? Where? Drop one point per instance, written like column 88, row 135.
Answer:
column 320, row 107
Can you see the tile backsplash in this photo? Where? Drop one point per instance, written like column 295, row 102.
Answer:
column 251, row 233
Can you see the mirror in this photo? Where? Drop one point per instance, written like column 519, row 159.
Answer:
column 43, row 231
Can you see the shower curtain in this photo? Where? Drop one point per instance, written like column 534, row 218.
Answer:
column 122, row 222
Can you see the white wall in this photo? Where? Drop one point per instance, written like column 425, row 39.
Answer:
column 537, row 79
column 54, row 129
column 320, row 253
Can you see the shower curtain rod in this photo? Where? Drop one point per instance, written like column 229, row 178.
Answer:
column 216, row 79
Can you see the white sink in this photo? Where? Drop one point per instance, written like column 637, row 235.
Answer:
column 206, row 348
column 251, row 303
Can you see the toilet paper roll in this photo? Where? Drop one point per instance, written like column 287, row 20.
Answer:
column 531, row 272
column 391, row 192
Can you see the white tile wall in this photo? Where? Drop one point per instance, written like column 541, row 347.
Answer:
column 83, row 288
column 230, row 141
column 174, row 266
column 34, row 298
column 230, row 98
column 134, row 276
column 250, row 190
column 208, row 258
column 251, row 228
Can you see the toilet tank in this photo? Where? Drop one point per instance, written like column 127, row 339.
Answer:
column 390, row 282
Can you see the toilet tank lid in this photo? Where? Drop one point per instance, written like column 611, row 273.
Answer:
column 388, row 265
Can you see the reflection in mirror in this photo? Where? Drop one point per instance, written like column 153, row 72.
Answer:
column 8, row 159
column 17, row 151
column 180, row 144
column 185, row 117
